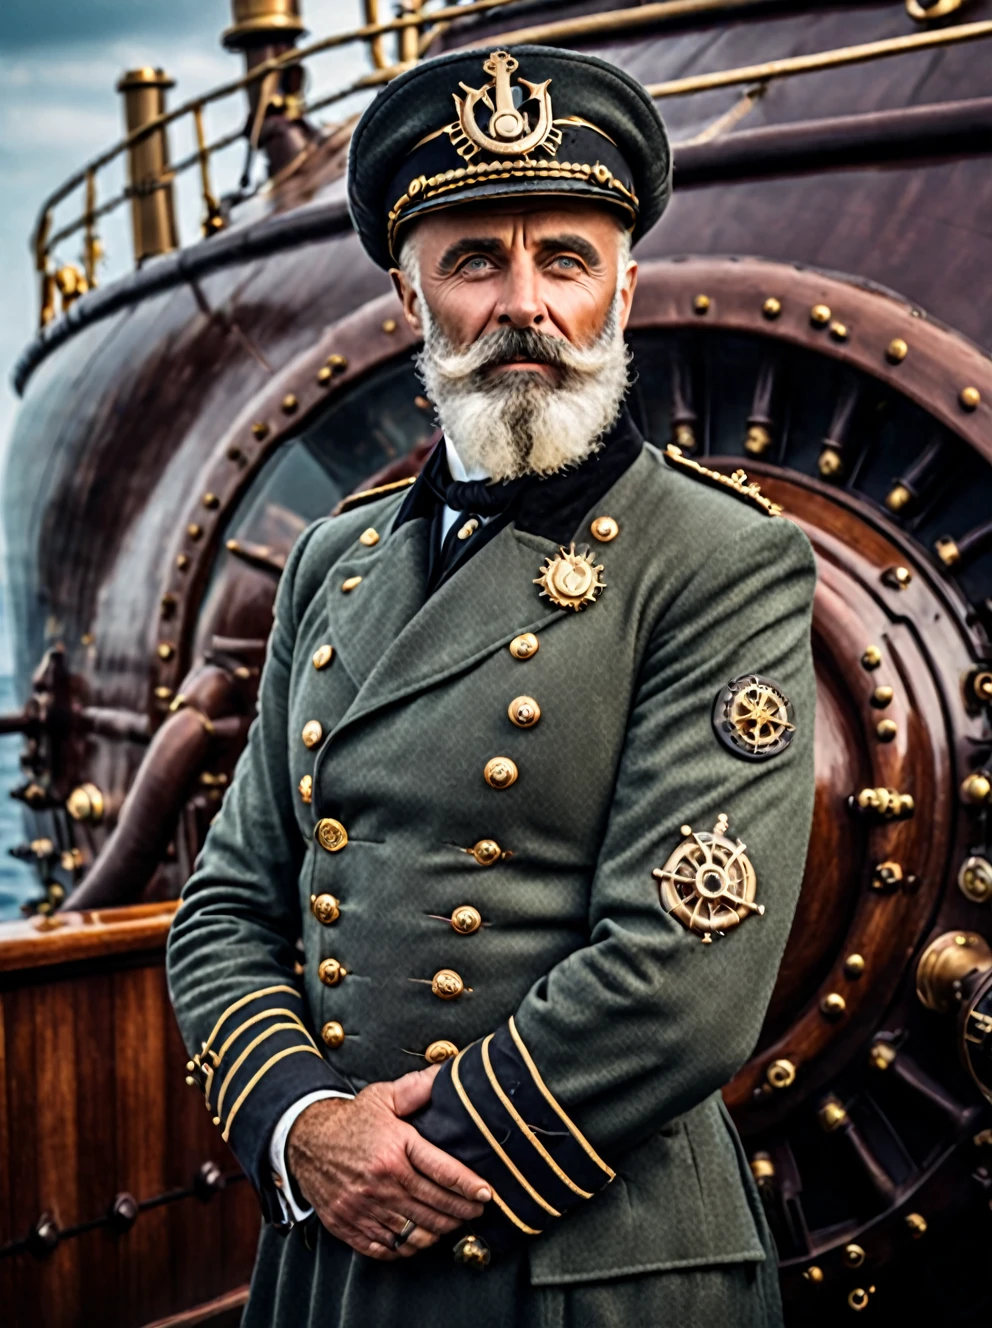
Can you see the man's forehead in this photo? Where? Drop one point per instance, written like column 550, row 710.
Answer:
column 501, row 217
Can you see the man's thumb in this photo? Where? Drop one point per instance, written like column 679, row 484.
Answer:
column 413, row 1091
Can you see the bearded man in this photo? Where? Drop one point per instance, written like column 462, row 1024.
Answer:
column 514, row 717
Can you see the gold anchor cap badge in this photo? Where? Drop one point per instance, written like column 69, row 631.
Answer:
column 510, row 132
column 708, row 884
column 571, row 580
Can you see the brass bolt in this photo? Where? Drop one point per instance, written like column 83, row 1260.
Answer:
column 194, row 531
column 260, row 429
column 871, row 658
column 182, row 561
column 290, row 405
column 838, row 331
column 947, row 551
column 898, row 578
column 832, row 1115
column 975, row 880
column 701, row 304
column 916, row 1223
column 324, row 376
column 771, row 307
column 887, row 876
column 166, row 650
column 762, row 1167
column 337, row 364
column 886, row 730
column 819, row 315
column 163, row 693
column 854, row 966
column 898, row 498
column 881, row 697
column 758, row 440
column 831, row 463
column 814, row 1274
column 389, row 326
column 858, row 1299
column 970, row 398
column 896, row 351
column 833, row 1005
column 976, row 788
column 211, row 501
column 883, row 1054
column 781, row 1074
column 854, row 1256
column 981, row 685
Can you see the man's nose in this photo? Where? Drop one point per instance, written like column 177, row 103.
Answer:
column 521, row 304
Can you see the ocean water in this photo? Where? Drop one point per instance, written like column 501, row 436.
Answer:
column 18, row 880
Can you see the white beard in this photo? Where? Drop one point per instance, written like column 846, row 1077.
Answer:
column 518, row 422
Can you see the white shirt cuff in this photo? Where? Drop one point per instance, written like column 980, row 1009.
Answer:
column 291, row 1210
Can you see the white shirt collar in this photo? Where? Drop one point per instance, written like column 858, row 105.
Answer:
column 459, row 471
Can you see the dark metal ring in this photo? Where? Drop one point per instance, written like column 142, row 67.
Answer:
column 409, row 1227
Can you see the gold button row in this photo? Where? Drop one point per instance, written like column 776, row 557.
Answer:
column 333, row 1035
column 331, row 972
column 447, row 985
column 325, row 908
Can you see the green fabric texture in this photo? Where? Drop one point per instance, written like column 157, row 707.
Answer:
column 633, row 1023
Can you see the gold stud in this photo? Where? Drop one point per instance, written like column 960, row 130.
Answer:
column 166, row 650
column 882, row 1055
column 605, row 529
column 447, row 985
column 306, row 789
column 332, row 1033
column 500, row 772
column 369, row 537
column 970, row 398
column 854, row 1256
column 523, row 647
column 290, row 405
column 781, row 1073
column 331, row 971
column 831, row 463
column 871, row 658
column 838, row 331
column 524, row 712
column 896, row 351
column 389, row 326
column 858, row 1299
column 819, row 315
column 854, row 966
column 881, row 697
column 833, row 1005
column 324, row 376
column 898, row 498
column 312, row 733
column 947, row 551
column 916, row 1224
column 757, row 441
column 897, row 578
column 211, row 501
column 330, row 834
column 322, row 656
column 486, row 852
column 832, row 1115
column 260, row 429
column 886, row 730
column 701, row 304
column 164, row 693
column 350, row 583
column 337, row 364
column 465, row 919
column 771, row 307
column 325, row 908
column 976, row 788
column 975, row 880
column 440, row 1051
column 182, row 561
column 814, row 1274
column 194, row 531
column 887, row 876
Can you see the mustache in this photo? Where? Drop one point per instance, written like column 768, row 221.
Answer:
column 470, row 366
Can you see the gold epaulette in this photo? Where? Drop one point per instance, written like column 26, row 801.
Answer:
column 737, row 483
column 353, row 500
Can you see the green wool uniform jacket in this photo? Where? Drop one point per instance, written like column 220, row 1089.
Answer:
column 594, row 1029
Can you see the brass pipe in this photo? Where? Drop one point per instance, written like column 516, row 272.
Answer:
column 409, row 38
column 91, row 245
column 212, row 219
column 377, row 47
column 262, row 21
column 153, row 214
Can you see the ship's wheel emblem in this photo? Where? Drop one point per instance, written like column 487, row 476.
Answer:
column 754, row 718
column 571, row 580
column 708, row 884
column 510, row 132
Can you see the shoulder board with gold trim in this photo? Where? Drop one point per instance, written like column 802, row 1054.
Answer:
column 353, row 500
column 737, row 483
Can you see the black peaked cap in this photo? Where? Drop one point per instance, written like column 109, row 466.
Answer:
column 411, row 154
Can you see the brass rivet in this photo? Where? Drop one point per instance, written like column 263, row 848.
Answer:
column 331, row 834
column 882, row 1055
column 881, row 697
column 260, row 429
column 887, row 876
column 831, row 463
column 210, row 501
column 701, row 304
column 524, row 647
column 447, row 985
column 465, row 919
column 947, row 551
column 325, row 908
column 337, row 364
column 194, row 531
column 332, row 1033
column 369, row 537
column 85, row 803
column 854, row 966
column 898, row 578
column 886, row 730
column 854, row 1256
column 500, row 772
column 758, row 440
column 976, row 788
column 331, row 971
column 970, row 398
column 838, row 331
column 819, row 315
column 975, row 880
column 781, row 1074
column 771, row 307
column 324, row 376
column 981, row 685
column 322, row 656
column 306, row 789
column 762, row 1167
column 858, row 1299
column 182, row 561
column 164, row 693
column 312, row 733
column 833, row 1005
column 832, row 1115
column 814, row 1274
column 871, row 658
column 349, row 584
column 916, row 1223
column 290, row 405
column 898, row 498
column 605, row 529
column 524, row 712
column 896, row 351
column 389, row 326
column 166, row 650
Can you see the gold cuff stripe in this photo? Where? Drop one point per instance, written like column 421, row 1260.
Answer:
column 286, row 1051
column 253, row 995
column 265, row 1014
column 494, row 1143
column 296, row 1026
column 522, row 1125
column 508, row 1212
column 549, row 1097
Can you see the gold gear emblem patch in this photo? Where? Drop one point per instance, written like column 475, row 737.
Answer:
column 754, row 718
column 571, row 580
column 709, row 884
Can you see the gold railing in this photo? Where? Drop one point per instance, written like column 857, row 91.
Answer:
column 417, row 30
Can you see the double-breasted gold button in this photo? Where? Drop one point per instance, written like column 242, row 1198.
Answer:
column 322, row 656
column 465, row 919
column 332, row 1033
column 313, row 731
column 500, row 772
column 349, row 584
column 486, row 852
column 523, row 647
column 331, row 971
column 330, row 834
column 441, row 1050
column 524, row 712
column 369, row 537
column 469, row 529
column 447, row 985
column 604, row 528
column 325, row 909
column 306, row 788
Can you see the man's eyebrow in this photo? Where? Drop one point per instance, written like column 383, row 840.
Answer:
column 578, row 244
column 467, row 245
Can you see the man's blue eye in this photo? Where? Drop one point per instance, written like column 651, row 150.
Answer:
column 570, row 262
column 477, row 262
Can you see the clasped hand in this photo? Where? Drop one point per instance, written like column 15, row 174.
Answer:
column 368, row 1173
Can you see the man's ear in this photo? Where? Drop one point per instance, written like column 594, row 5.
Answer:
column 628, row 284
column 408, row 297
